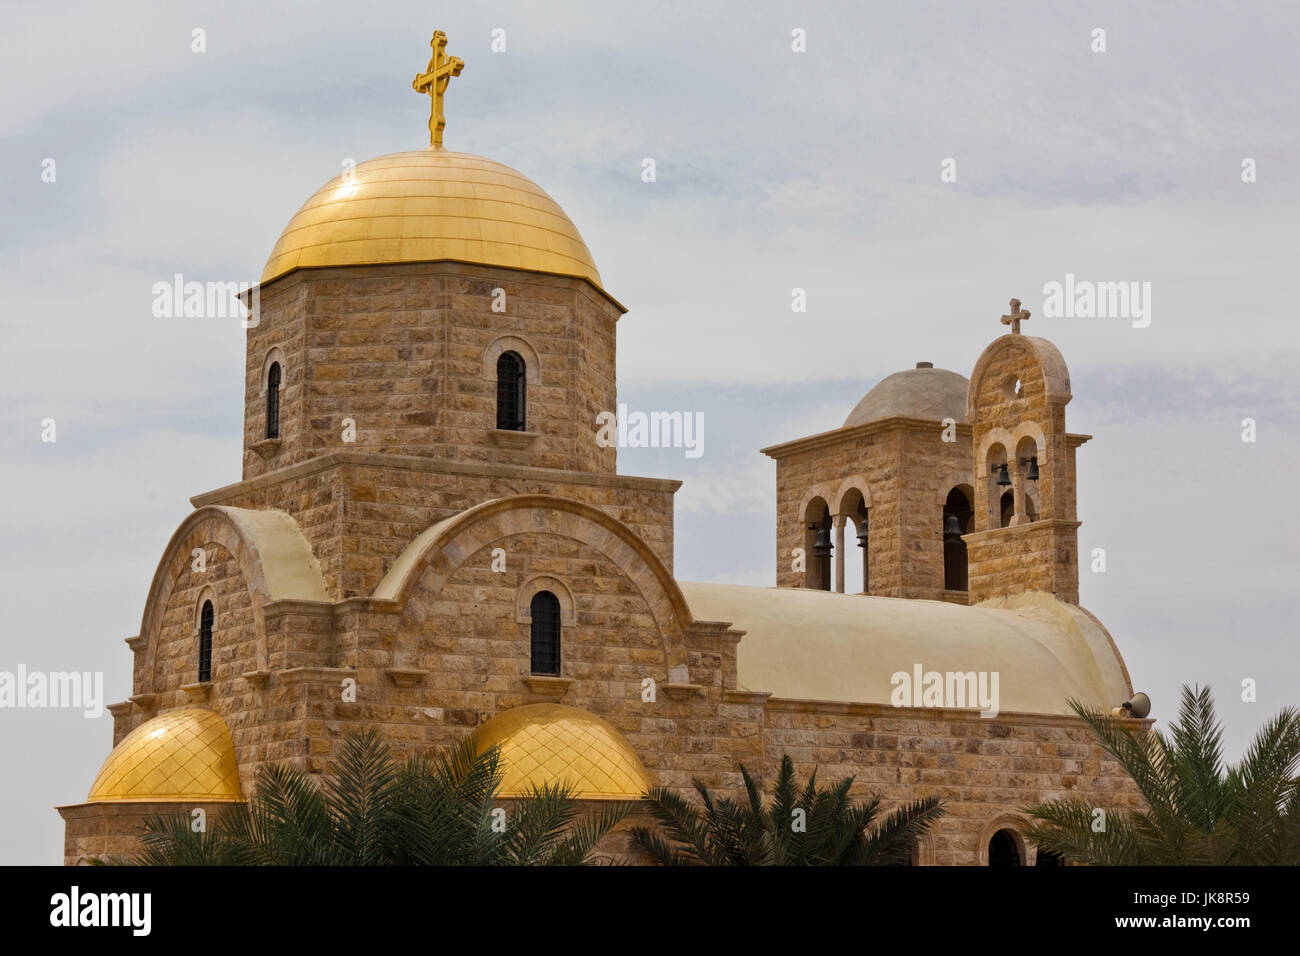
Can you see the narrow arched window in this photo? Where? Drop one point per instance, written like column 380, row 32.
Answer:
column 273, row 401
column 511, row 400
column 545, row 613
column 206, row 618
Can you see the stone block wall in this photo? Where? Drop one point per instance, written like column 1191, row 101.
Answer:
column 1040, row 556
column 360, row 510
column 407, row 353
column 903, row 469
column 983, row 770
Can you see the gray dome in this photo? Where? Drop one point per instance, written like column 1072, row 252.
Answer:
column 922, row 392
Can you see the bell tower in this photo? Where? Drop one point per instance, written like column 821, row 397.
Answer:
column 1026, row 527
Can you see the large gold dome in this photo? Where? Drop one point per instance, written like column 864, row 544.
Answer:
column 182, row 755
column 553, row 744
column 428, row 205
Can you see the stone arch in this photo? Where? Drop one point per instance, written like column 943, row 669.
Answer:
column 816, row 507
column 1051, row 369
column 545, row 582
column 275, row 562
column 273, row 354
column 853, row 483
column 1016, row 825
column 512, row 343
column 444, row 547
column 821, row 491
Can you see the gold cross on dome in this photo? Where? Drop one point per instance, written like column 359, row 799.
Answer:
column 1017, row 316
column 434, row 81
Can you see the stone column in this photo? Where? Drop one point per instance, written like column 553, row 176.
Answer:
column 839, row 552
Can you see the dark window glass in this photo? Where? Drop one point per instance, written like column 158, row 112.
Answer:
column 273, row 401
column 545, row 610
column 206, row 617
column 1003, row 850
column 1048, row 858
column 511, row 400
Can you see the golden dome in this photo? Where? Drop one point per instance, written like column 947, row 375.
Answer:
column 551, row 743
column 428, row 205
column 182, row 755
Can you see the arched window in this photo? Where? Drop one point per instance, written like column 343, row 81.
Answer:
column 206, row 617
column 1003, row 849
column 273, row 401
column 958, row 519
column 545, row 613
column 1007, row 508
column 511, row 398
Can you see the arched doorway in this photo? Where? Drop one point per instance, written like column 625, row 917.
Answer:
column 1004, row 849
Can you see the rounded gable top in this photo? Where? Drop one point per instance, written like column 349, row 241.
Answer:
column 922, row 392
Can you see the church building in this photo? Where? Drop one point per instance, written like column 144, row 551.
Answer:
column 429, row 539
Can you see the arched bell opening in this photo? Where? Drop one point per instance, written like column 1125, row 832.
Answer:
column 818, row 546
column 958, row 519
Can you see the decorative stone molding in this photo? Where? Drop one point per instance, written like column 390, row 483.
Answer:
column 544, row 582
column 512, row 343
column 208, row 594
column 120, row 709
column 144, row 701
column 316, row 675
column 136, row 643
column 548, row 686
column 198, row 692
column 257, row 679
column 273, row 354
column 512, row 439
column 682, row 691
column 267, row 447
column 1013, row 823
column 406, row 676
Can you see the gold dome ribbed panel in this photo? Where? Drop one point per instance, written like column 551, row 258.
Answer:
column 551, row 743
column 429, row 205
column 182, row 755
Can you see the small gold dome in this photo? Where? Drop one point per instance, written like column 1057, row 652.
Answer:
column 551, row 743
column 182, row 755
column 428, row 205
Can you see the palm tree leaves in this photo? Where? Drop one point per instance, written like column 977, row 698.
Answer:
column 1197, row 811
column 808, row 826
column 377, row 809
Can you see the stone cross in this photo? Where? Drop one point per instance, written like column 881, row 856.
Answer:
column 1017, row 316
column 434, row 81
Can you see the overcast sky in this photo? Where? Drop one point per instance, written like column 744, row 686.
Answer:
column 775, row 170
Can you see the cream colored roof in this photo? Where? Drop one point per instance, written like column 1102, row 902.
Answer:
column 931, row 393
column 291, row 569
column 817, row 645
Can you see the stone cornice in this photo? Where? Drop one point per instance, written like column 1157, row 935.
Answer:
column 837, row 435
column 884, row 711
column 976, row 537
column 335, row 459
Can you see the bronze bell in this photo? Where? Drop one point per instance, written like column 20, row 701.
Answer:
column 1003, row 478
column 862, row 534
column 951, row 526
column 822, row 547
column 1033, row 469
